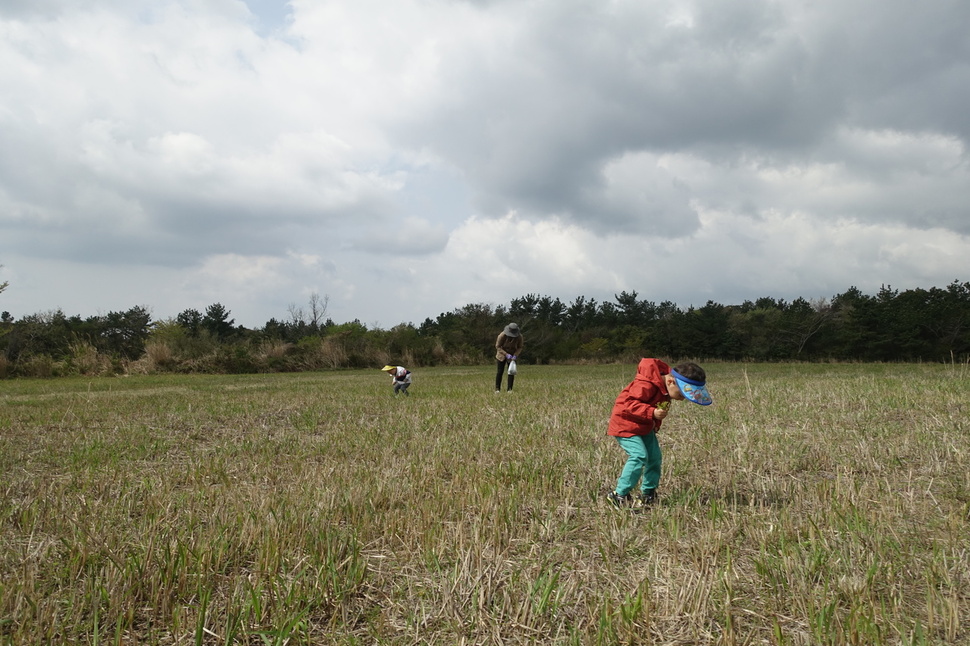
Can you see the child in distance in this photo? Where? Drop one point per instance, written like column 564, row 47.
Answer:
column 400, row 378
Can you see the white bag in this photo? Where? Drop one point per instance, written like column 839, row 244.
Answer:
column 512, row 367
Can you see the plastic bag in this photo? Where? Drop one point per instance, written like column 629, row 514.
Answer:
column 512, row 367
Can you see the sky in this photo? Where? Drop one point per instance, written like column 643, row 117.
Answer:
column 404, row 158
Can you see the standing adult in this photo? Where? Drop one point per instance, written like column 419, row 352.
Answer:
column 508, row 347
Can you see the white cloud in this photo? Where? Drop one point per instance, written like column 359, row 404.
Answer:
column 234, row 272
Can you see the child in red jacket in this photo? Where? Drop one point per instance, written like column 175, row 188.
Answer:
column 638, row 414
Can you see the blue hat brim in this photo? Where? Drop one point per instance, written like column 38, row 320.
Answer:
column 693, row 391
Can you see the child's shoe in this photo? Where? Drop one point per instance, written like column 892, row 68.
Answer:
column 648, row 497
column 618, row 501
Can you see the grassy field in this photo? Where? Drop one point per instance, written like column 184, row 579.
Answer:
column 811, row 504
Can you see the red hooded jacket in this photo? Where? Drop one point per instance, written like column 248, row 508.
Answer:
column 633, row 410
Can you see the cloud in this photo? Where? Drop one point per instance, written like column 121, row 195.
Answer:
column 411, row 237
column 730, row 259
column 409, row 157
column 568, row 96
column 168, row 116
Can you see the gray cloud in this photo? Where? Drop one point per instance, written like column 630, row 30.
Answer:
column 576, row 90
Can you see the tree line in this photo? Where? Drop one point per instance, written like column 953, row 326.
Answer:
column 912, row 325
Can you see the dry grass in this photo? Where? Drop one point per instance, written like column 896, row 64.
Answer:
column 809, row 505
column 86, row 360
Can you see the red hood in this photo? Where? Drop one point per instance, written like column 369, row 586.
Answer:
column 635, row 405
column 652, row 370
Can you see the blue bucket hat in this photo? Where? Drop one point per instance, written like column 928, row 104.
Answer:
column 693, row 390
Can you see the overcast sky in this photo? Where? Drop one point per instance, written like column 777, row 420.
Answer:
column 407, row 157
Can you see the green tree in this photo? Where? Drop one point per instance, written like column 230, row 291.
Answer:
column 471, row 330
column 217, row 321
column 542, row 320
column 804, row 321
column 275, row 330
column 632, row 311
column 580, row 314
column 124, row 333
column 191, row 321
column 944, row 318
column 707, row 334
column 757, row 330
column 852, row 313
column 43, row 334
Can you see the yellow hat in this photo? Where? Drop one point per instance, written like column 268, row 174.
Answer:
column 386, row 368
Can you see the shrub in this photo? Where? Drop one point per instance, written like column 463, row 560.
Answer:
column 84, row 359
column 158, row 357
column 273, row 349
column 39, row 365
column 332, row 353
column 160, row 354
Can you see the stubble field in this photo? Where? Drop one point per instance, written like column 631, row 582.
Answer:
column 811, row 504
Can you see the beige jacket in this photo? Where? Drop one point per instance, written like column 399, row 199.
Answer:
column 508, row 345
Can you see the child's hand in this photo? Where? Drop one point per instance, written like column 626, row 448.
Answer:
column 659, row 413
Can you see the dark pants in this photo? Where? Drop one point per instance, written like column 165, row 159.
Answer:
column 499, row 369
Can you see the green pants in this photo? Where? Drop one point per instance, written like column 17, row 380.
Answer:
column 643, row 460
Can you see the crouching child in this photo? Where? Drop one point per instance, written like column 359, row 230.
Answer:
column 400, row 379
column 638, row 414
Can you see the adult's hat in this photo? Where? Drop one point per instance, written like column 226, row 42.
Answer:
column 695, row 391
column 386, row 368
column 512, row 329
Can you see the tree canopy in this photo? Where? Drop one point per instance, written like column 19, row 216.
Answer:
column 892, row 325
